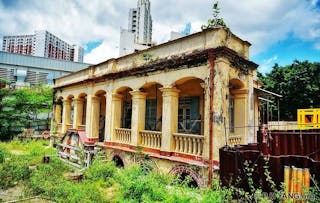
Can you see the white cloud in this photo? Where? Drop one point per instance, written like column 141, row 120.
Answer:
column 266, row 22
column 267, row 64
column 262, row 22
column 104, row 51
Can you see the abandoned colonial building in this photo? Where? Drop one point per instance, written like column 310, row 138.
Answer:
column 177, row 102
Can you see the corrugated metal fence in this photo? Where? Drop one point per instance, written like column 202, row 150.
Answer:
column 300, row 149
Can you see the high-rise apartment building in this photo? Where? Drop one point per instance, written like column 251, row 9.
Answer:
column 139, row 33
column 43, row 44
column 140, row 22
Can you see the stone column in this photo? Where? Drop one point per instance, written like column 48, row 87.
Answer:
column 251, row 133
column 78, row 112
column 107, row 124
column 206, row 119
column 66, row 115
column 170, row 98
column 115, row 114
column 95, row 114
column 88, row 115
column 57, row 113
column 138, row 115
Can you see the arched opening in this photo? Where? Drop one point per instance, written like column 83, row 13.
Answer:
column 186, row 176
column 153, row 116
column 187, row 179
column 126, row 110
column 101, row 97
column 191, row 106
column 118, row 161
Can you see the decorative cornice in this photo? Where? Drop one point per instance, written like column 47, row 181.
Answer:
column 183, row 61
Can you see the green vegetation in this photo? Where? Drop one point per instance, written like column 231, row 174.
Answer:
column 216, row 21
column 298, row 83
column 21, row 164
column 20, row 108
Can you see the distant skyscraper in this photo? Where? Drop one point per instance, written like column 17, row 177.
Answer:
column 140, row 22
column 43, row 44
column 139, row 33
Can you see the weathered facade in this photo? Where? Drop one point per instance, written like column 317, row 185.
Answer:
column 178, row 102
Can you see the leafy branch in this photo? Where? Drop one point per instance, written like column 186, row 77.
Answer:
column 216, row 21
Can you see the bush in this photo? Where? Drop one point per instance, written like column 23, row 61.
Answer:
column 314, row 193
column 68, row 191
column 46, row 177
column 101, row 171
column 14, row 170
column 49, row 181
column 137, row 186
column 3, row 154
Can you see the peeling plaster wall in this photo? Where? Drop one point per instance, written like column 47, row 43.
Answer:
column 220, row 104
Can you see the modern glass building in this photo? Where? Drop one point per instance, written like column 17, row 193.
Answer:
column 26, row 70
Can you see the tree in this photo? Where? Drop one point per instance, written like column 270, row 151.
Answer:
column 20, row 108
column 298, row 83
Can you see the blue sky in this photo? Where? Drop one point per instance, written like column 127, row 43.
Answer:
column 280, row 31
column 92, row 45
column 284, row 52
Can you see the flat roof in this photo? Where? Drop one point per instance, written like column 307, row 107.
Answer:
column 266, row 92
column 40, row 62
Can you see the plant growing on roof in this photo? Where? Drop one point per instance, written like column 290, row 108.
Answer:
column 216, row 21
column 146, row 57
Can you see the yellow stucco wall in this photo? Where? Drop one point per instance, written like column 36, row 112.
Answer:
column 189, row 81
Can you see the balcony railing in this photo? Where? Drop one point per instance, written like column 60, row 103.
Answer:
column 123, row 135
column 234, row 140
column 188, row 143
column 151, row 139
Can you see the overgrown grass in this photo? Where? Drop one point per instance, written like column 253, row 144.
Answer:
column 16, row 158
column 21, row 164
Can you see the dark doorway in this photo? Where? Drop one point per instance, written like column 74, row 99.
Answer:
column 118, row 162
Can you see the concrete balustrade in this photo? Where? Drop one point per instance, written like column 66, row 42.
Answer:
column 151, row 139
column 123, row 135
column 187, row 143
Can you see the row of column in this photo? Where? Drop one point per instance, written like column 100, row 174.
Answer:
column 169, row 115
column 93, row 108
column 170, row 98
